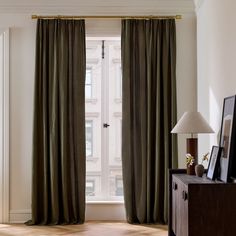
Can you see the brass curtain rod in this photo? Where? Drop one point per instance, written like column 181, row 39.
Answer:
column 177, row 17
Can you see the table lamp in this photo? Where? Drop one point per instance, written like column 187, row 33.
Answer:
column 192, row 122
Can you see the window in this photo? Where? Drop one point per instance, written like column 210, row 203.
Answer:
column 119, row 82
column 89, row 138
column 119, row 186
column 103, row 143
column 90, row 188
column 88, row 83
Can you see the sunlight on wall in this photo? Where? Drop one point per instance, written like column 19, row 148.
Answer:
column 1, row 120
column 206, row 141
column 215, row 118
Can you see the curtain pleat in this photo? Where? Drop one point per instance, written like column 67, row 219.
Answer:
column 58, row 185
column 148, row 115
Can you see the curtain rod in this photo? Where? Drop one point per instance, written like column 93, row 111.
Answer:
column 177, row 17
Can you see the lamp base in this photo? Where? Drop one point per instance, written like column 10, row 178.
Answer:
column 192, row 148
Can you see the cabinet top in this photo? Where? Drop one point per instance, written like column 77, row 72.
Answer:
column 192, row 179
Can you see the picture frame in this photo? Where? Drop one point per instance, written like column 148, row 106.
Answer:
column 213, row 167
column 227, row 140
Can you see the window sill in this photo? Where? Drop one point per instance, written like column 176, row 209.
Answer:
column 104, row 202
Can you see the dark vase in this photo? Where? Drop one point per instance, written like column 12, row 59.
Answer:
column 199, row 170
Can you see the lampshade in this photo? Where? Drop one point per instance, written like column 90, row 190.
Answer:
column 192, row 122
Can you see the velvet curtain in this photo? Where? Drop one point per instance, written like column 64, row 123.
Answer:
column 148, row 115
column 58, row 188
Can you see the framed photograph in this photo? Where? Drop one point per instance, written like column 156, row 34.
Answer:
column 213, row 167
column 227, row 140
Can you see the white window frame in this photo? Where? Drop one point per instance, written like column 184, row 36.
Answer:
column 105, row 173
column 4, row 129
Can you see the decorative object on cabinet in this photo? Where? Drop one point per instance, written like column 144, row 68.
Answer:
column 228, row 139
column 213, row 167
column 199, row 168
column 192, row 122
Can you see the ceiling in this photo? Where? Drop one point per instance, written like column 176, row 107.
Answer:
column 98, row 7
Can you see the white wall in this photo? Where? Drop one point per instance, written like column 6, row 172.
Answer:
column 22, row 54
column 4, row 124
column 216, row 37
column 186, row 72
column 22, row 44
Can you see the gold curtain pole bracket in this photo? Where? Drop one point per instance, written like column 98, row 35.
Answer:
column 177, row 17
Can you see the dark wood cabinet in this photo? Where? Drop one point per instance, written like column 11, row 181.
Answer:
column 200, row 207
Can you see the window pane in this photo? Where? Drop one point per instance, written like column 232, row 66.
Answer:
column 119, row 186
column 120, row 82
column 88, row 91
column 90, row 188
column 116, row 183
column 89, row 138
column 88, row 76
column 88, row 83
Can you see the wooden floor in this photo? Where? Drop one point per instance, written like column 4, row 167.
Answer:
column 96, row 228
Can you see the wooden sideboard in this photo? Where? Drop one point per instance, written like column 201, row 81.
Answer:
column 200, row 207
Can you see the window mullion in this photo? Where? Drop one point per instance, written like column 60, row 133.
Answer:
column 105, row 119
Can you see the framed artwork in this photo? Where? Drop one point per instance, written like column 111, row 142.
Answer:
column 227, row 140
column 213, row 167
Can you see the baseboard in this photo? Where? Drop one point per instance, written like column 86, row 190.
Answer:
column 94, row 211
column 19, row 216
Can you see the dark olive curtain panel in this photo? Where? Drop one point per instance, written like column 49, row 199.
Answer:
column 58, row 188
column 149, row 113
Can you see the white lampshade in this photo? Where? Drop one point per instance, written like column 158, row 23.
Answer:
column 192, row 122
